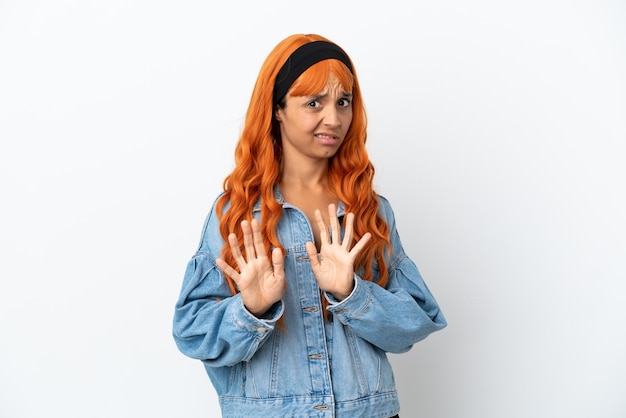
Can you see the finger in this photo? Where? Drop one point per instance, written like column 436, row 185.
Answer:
column 227, row 269
column 278, row 262
column 360, row 244
column 334, row 223
column 349, row 231
column 257, row 237
column 248, row 242
column 234, row 248
column 312, row 253
column 322, row 227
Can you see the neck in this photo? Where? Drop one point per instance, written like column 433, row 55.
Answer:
column 305, row 176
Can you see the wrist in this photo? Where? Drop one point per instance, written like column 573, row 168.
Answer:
column 257, row 311
column 343, row 294
column 264, row 313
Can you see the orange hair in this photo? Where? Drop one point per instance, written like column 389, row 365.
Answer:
column 258, row 160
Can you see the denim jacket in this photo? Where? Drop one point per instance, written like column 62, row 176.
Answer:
column 312, row 366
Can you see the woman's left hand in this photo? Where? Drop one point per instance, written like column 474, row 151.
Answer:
column 334, row 267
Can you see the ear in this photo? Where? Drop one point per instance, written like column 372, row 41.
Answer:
column 277, row 113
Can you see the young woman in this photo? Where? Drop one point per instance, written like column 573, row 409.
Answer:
column 300, row 285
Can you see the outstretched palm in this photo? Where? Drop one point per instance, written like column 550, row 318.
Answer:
column 261, row 281
column 334, row 267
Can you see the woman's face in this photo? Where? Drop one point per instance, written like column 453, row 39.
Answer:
column 314, row 127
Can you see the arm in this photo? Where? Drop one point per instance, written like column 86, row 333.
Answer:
column 392, row 318
column 395, row 317
column 210, row 323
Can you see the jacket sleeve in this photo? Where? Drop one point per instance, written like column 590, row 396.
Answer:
column 211, row 324
column 397, row 316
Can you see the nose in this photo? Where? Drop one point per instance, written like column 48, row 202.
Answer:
column 331, row 117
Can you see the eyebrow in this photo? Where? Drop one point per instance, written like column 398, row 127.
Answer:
column 322, row 95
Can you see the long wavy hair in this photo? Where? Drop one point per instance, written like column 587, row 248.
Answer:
column 258, row 157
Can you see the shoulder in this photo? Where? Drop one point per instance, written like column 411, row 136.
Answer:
column 211, row 240
column 384, row 208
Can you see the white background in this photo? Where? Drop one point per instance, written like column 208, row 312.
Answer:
column 498, row 130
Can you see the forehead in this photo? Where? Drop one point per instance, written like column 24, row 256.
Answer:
column 333, row 85
column 331, row 91
column 321, row 76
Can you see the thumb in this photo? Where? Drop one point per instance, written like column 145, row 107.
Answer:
column 278, row 261
column 312, row 252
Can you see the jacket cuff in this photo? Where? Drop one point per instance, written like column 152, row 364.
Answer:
column 352, row 306
column 259, row 326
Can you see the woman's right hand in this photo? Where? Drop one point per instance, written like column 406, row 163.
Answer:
column 261, row 282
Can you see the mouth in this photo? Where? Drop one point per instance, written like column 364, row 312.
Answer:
column 327, row 139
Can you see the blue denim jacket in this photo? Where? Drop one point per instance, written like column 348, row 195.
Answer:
column 313, row 367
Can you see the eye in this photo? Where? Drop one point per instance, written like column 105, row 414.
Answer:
column 314, row 104
column 344, row 102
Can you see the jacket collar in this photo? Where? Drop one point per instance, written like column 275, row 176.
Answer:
column 278, row 195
